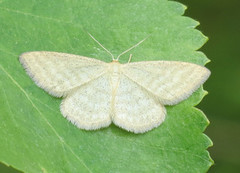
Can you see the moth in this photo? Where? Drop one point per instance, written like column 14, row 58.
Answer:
column 96, row 93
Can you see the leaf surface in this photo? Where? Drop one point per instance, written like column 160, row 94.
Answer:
column 35, row 137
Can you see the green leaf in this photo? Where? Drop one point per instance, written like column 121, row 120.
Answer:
column 35, row 137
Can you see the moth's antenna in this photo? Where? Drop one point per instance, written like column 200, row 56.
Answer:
column 131, row 47
column 101, row 46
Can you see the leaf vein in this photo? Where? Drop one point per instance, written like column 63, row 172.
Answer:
column 35, row 107
column 40, row 17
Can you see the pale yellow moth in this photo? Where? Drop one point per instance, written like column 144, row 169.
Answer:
column 130, row 95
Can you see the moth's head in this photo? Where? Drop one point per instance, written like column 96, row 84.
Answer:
column 115, row 61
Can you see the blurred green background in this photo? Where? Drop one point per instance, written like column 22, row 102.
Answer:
column 220, row 21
